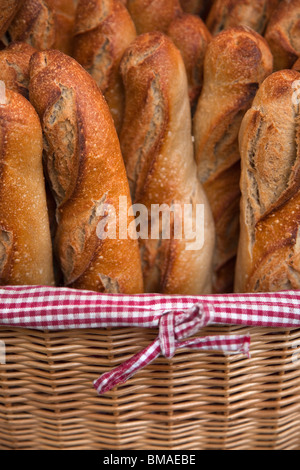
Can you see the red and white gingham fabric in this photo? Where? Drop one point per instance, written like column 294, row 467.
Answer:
column 178, row 318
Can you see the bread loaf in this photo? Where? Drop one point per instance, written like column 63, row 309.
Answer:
column 87, row 173
column 157, row 147
column 64, row 12
column 283, row 34
column 237, row 61
column 226, row 14
column 8, row 10
column 269, row 248
column 25, row 243
column 103, row 31
column 14, row 67
column 45, row 24
column 191, row 37
column 34, row 24
column 153, row 15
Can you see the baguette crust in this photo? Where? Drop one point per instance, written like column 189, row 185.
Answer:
column 45, row 24
column 103, row 31
column 283, row 34
column 14, row 67
column 191, row 37
column 269, row 249
column 65, row 11
column 34, row 24
column 157, row 148
column 237, row 61
column 86, row 169
column 7, row 13
column 153, row 15
column 226, row 14
column 25, row 242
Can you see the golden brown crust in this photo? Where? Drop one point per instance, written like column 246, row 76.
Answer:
column 25, row 242
column 14, row 67
column 157, row 148
column 153, row 15
column 226, row 14
column 45, row 24
column 237, row 61
column 65, row 11
column 269, row 249
column 8, row 10
column 191, row 37
column 34, row 24
column 86, row 169
column 283, row 34
column 103, row 31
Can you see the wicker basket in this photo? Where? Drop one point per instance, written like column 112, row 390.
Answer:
column 196, row 401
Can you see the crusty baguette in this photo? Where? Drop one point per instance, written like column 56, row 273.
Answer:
column 14, row 67
column 153, row 15
column 34, row 24
column 237, row 61
column 87, row 173
column 283, row 34
column 269, row 248
column 196, row 7
column 191, row 37
column 25, row 242
column 8, row 10
column 156, row 143
column 103, row 31
column 64, row 11
column 226, row 14
column 45, row 24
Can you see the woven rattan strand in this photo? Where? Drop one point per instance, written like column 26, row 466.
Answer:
column 196, row 401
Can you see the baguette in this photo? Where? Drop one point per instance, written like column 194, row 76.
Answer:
column 153, row 15
column 7, row 13
column 45, row 24
column 87, row 174
column 34, row 24
column 25, row 242
column 103, row 31
column 269, row 248
column 157, row 147
column 64, row 11
column 237, row 61
column 191, row 37
column 283, row 34
column 226, row 14
column 14, row 67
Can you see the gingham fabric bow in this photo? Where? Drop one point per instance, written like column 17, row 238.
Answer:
column 174, row 327
column 178, row 319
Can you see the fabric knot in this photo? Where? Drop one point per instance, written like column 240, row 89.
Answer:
column 178, row 325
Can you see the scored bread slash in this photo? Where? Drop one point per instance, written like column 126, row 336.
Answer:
column 2, row 93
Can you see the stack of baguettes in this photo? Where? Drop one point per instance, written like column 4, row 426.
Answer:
column 110, row 108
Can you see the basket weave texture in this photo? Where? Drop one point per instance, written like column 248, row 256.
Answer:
column 196, row 401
